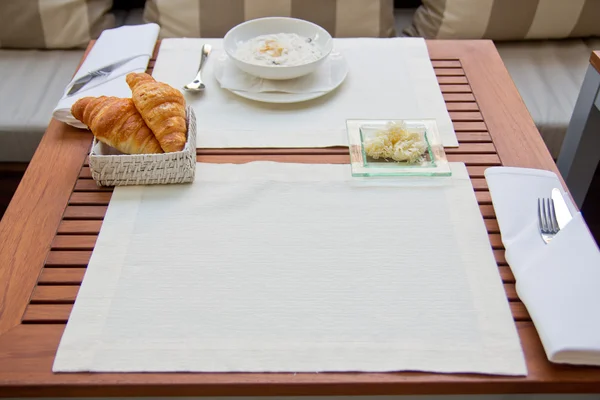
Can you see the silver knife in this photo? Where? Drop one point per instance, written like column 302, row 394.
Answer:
column 103, row 72
column 563, row 215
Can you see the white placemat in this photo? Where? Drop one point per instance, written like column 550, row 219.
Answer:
column 293, row 267
column 387, row 79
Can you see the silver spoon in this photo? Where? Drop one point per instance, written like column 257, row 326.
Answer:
column 197, row 85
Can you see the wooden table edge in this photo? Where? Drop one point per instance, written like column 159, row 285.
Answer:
column 514, row 122
column 595, row 60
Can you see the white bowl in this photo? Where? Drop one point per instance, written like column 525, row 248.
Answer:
column 266, row 26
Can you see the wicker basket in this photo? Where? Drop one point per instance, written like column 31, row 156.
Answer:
column 112, row 168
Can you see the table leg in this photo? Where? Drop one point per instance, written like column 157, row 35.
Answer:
column 580, row 151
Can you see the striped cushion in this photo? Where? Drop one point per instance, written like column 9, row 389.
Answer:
column 52, row 24
column 213, row 18
column 506, row 19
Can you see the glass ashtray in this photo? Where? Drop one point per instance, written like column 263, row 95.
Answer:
column 368, row 159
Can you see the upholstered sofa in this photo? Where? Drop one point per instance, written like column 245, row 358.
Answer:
column 548, row 73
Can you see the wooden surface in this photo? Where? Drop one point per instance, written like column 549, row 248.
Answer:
column 595, row 60
column 50, row 229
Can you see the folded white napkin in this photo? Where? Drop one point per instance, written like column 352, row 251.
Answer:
column 327, row 77
column 112, row 46
column 559, row 282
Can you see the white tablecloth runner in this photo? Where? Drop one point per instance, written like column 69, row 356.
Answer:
column 292, row 267
column 387, row 79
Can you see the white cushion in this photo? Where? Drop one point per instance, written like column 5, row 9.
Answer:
column 548, row 75
column 31, row 83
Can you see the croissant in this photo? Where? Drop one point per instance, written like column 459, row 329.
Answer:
column 117, row 123
column 163, row 109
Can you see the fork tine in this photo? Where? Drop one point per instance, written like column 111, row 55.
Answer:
column 546, row 219
column 550, row 228
column 541, row 215
column 549, row 216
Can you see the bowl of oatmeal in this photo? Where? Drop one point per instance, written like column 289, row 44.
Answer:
column 277, row 47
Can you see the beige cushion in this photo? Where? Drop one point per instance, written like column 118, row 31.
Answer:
column 52, row 24
column 31, row 83
column 506, row 19
column 213, row 18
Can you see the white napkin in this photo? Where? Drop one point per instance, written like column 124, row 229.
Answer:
column 559, row 282
column 325, row 78
column 113, row 45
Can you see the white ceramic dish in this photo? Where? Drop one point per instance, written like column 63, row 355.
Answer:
column 339, row 71
column 273, row 25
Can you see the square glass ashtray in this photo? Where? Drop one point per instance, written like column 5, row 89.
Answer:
column 406, row 147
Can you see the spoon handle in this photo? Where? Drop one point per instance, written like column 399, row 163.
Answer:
column 197, row 83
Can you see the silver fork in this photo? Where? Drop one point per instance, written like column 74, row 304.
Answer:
column 547, row 219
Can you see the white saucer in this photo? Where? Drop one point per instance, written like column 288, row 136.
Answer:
column 339, row 71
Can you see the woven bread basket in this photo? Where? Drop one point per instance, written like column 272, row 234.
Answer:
column 109, row 167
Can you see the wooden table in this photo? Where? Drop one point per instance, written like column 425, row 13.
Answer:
column 580, row 152
column 49, row 231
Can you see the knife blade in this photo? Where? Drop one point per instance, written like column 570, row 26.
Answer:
column 563, row 215
column 79, row 84
column 100, row 73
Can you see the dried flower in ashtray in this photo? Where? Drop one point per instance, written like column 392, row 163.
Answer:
column 396, row 142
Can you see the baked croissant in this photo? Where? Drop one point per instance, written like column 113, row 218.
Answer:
column 117, row 123
column 163, row 109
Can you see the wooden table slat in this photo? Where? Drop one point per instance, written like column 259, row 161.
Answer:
column 468, row 116
column 59, row 313
column 506, row 274
column 452, row 80
column 458, row 97
column 487, row 211
column 446, row 63
column 61, row 276
column 456, row 71
column 56, row 294
column 80, row 258
column 85, row 212
column 476, row 171
column 475, row 137
column 74, row 242
column 87, row 242
column 74, row 275
column 89, row 185
column 79, row 227
column 462, row 106
column 66, row 294
column 472, row 148
column 456, row 88
column 491, row 225
column 47, row 313
column 469, row 126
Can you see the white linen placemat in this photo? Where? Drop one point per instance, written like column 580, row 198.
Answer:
column 559, row 282
column 293, row 267
column 387, row 79
column 113, row 45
